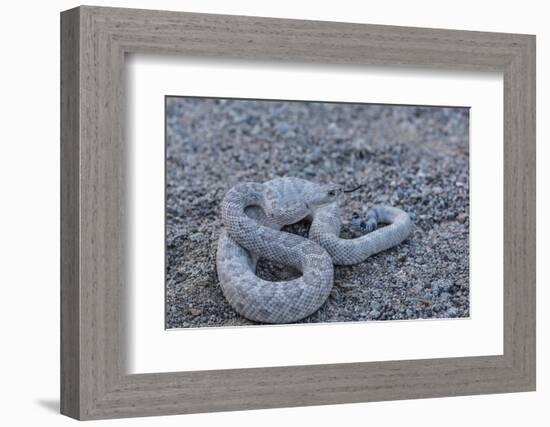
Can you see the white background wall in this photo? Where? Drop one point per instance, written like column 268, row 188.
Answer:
column 29, row 224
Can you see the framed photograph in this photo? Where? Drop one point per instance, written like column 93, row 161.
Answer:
column 261, row 213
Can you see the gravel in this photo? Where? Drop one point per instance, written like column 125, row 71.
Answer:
column 415, row 158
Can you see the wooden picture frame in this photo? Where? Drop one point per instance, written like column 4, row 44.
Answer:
column 94, row 382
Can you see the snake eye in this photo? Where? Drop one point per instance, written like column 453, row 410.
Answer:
column 332, row 192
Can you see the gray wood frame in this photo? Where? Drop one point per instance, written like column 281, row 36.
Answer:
column 94, row 382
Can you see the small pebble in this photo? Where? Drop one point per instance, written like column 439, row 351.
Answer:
column 441, row 285
column 452, row 312
column 462, row 217
column 197, row 237
column 195, row 311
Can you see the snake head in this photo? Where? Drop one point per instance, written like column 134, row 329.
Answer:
column 324, row 195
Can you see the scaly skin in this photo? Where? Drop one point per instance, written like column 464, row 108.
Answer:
column 253, row 215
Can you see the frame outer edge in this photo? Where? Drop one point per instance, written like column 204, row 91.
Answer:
column 532, row 137
column 70, row 396
column 90, row 365
column 527, row 78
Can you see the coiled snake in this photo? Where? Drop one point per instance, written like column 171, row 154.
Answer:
column 253, row 215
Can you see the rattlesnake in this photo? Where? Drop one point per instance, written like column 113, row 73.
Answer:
column 253, row 215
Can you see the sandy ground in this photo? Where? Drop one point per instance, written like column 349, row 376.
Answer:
column 415, row 158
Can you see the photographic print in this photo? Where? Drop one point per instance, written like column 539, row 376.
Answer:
column 281, row 211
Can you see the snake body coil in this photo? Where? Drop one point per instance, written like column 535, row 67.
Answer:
column 253, row 215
